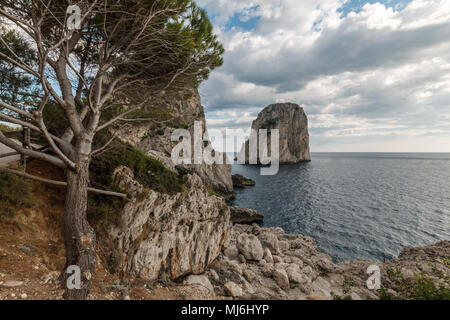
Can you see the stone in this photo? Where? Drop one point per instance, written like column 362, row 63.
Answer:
column 250, row 247
column 233, row 290
column 321, row 287
column 269, row 240
column 295, row 275
column 214, row 275
column 307, row 270
column 292, row 123
column 179, row 234
column 249, row 275
column 201, row 282
column 11, row 284
column 245, row 216
column 239, row 181
column 231, row 252
column 277, row 259
column 23, row 296
column 268, row 256
column 281, row 278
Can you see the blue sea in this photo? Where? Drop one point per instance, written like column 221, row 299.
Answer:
column 356, row 205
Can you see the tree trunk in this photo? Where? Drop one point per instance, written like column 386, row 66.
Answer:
column 79, row 237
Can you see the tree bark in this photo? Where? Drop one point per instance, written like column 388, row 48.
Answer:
column 79, row 236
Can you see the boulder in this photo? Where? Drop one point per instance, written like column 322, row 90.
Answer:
column 245, row 216
column 233, row 290
column 202, row 282
column 239, row 181
column 282, row 279
column 250, row 247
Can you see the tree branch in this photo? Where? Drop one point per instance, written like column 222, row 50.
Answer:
column 62, row 184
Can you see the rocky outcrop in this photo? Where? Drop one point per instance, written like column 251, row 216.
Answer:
column 245, row 216
column 239, row 181
column 161, row 235
column 292, row 122
column 175, row 112
column 266, row 264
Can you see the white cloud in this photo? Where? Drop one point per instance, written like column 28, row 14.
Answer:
column 375, row 73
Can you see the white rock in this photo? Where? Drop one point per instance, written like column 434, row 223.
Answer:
column 12, row 284
column 321, row 287
column 202, row 282
column 268, row 255
column 269, row 240
column 295, row 274
column 281, row 278
column 250, row 247
column 231, row 252
column 233, row 290
column 214, row 275
column 23, row 296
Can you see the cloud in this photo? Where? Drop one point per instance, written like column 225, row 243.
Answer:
column 375, row 71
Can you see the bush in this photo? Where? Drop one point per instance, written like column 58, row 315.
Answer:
column 104, row 210
column 419, row 288
column 150, row 172
column 15, row 193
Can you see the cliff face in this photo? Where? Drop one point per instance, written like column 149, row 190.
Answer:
column 155, row 139
column 292, row 122
column 172, row 235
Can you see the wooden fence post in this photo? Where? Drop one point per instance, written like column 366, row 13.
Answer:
column 26, row 143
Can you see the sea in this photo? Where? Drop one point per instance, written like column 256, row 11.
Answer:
column 356, row 205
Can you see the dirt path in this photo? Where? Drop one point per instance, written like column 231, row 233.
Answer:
column 5, row 161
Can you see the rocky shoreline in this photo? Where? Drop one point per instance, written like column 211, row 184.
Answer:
column 268, row 264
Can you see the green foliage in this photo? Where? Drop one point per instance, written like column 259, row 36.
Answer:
column 16, row 87
column 104, row 211
column 15, row 193
column 164, row 279
column 150, row 172
column 419, row 288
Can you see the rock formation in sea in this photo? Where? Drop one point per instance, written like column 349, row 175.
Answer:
column 292, row 122
column 245, row 216
column 239, row 181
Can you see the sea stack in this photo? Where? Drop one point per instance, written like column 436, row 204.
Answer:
column 292, row 122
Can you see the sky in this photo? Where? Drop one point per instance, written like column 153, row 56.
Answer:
column 372, row 76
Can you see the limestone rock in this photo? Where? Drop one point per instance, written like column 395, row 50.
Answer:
column 11, row 284
column 231, row 252
column 250, row 247
column 239, row 181
column 201, row 282
column 268, row 256
column 290, row 119
column 245, row 216
column 233, row 290
column 282, row 279
column 176, row 234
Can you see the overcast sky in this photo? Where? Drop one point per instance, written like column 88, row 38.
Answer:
column 371, row 75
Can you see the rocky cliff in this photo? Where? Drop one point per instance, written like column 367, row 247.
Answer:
column 154, row 138
column 292, row 122
column 162, row 235
column 171, row 235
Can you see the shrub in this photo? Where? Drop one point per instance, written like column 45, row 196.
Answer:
column 419, row 288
